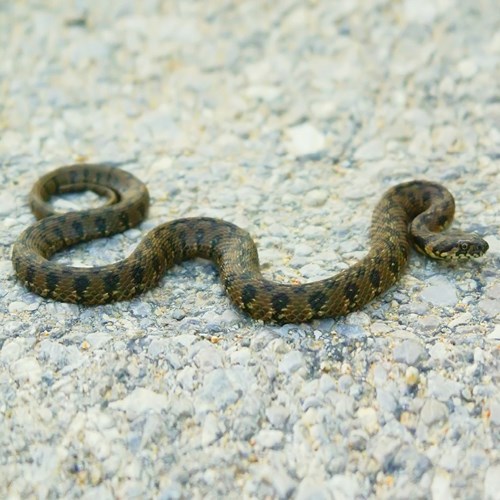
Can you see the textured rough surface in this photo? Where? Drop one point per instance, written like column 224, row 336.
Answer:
column 287, row 119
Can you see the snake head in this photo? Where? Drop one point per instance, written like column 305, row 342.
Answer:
column 454, row 245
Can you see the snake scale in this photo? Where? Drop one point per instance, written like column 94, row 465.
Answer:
column 412, row 212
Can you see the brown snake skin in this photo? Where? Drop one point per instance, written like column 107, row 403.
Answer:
column 409, row 212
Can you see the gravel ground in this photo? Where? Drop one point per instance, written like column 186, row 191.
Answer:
column 288, row 118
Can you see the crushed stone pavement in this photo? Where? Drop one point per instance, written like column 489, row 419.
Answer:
column 289, row 119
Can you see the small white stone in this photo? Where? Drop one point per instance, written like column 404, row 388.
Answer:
column 492, row 482
column 372, row 150
column 495, row 412
column 386, row 400
column 420, row 11
column 291, row 362
column 26, row 370
column 212, row 430
column 410, row 352
column 208, row 356
column 460, row 319
column 11, row 350
column 316, row 197
column 311, row 271
column 495, row 334
column 440, row 292
column 412, row 376
column 467, row 68
column 17, row 306
column 8, row 204
column 269, row 438
column 277, row 415
column 313, row 488
column 97, row 340
column 140, row 401
column 218, row 388
column 303, row 250
column 368, row 418
column 304, row 140
column 344, row 487
column 440, row 487
column 442, row 388
column 433, row 412
column 490, row 306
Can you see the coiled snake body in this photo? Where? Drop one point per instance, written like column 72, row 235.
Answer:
column 409, row 212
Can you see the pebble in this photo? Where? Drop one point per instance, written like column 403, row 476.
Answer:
column 277, row 415
column 412, row 376
column 8, row 204
column 370, row 151
column 291, row 362
column 26, row 370
column 316, row 197
column 439, row 292
column 433, row 411
column 140, row 401
column 410, row 353
column 212, row 430
column 305, row 140
column 344, row 486
column 492, row 482
column 218, row 389
column 269, row 438
column 313, row 487
column 441, row 388
column 494, row 334
column 440, row 487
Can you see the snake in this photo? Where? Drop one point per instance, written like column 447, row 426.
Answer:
column 411, row 213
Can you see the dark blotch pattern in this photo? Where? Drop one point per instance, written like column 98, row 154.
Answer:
column 81, row 284
column 30, row 273
column 200, row 237
column 124, row 220
column 111, row 282
column 101, row 225
column 351, row 292
column 280, row 301
column 248, row 294
column 317, row 300
column 51, row 280
column 442, row 220
column 422, row 206
column 78, row 229
column 394, row 266
column 375, row 278
column 138, row 275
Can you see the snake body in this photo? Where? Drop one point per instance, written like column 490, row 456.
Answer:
column 410, row 212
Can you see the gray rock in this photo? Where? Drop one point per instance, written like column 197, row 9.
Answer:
column 311, row 488
column 269, row 438
column 413, row 463
column 410, row 352
column 221, row 388
column 440, row 292
column 441, row 388
column 492, row 482
column 291, row 362
column 304, row 140
column 433, row 412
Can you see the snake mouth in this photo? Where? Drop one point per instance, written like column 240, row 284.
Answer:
column 459, row 250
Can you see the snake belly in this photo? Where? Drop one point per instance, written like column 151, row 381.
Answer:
column 424, row 206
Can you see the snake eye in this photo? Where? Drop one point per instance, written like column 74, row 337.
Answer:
column 464, row 246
